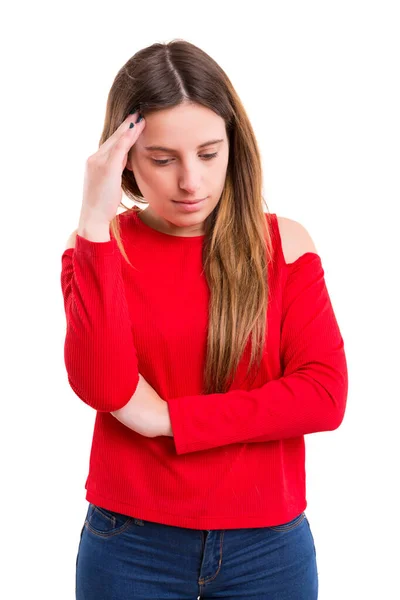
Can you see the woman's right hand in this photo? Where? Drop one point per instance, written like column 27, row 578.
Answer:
column 102, row 192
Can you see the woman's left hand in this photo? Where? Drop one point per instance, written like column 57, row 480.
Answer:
column 146, row 412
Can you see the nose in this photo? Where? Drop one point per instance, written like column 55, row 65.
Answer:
column 190, row 179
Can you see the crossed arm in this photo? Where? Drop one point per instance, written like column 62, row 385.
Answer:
column 146, row 412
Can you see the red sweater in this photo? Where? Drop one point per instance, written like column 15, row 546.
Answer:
column 236, row 459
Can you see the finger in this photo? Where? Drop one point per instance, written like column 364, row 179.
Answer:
column 118, row 153
column 124, row 129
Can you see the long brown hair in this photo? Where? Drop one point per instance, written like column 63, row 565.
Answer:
column 237, row 245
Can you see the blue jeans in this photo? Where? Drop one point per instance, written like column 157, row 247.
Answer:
column 123, row 558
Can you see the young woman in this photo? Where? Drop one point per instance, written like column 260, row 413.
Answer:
column 202, row 332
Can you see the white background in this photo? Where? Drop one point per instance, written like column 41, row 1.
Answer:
column 320, row 82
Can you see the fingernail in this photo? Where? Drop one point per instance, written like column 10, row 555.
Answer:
column 139, row 119
column 133, row 112
column 131, row 125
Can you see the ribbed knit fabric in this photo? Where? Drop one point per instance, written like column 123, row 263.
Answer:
column 236, row 459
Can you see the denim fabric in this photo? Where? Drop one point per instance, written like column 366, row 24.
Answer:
column 123, row 558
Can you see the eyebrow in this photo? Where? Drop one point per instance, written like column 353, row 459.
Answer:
column 164, row 149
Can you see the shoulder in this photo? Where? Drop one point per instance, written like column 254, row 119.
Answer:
column 295, row 239
column 71, row 240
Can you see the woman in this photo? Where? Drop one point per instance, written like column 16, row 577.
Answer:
column 201, row 331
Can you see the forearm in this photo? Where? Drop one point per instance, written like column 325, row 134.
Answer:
column 93, row 231
column 99, row 355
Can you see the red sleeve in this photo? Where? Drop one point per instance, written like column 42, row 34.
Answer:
column 99, row 354
column 310, row 396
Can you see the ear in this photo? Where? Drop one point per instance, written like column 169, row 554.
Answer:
column 128, row 165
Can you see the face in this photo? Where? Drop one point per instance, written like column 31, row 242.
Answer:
column 192, row 166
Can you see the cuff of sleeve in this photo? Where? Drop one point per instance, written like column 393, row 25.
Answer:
column 175, row 415
column 96, row 249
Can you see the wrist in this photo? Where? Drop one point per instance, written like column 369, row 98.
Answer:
column 167, row 422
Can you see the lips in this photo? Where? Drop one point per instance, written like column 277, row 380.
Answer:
column 189, row 201
column 189, row 207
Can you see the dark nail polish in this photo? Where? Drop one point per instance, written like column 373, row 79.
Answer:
column 131, row 125
column 133, row 112
column 139, row 119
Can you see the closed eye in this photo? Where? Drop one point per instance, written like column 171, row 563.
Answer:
column 165, row 162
